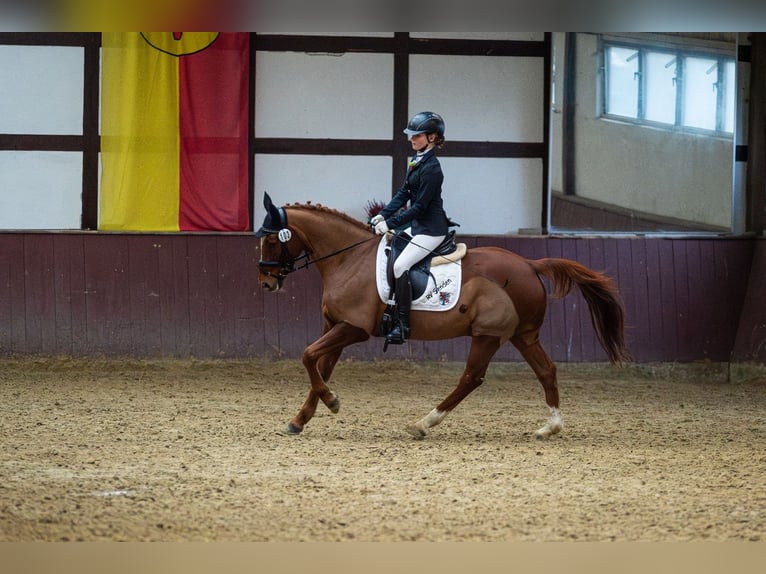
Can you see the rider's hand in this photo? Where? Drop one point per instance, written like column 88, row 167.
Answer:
column 381, row 228
column 377, row 219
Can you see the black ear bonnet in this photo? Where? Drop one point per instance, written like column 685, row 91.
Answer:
column 275, row 220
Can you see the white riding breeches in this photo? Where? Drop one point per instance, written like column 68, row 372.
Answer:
column 420, row 247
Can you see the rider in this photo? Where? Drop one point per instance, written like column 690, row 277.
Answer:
column 427, row 220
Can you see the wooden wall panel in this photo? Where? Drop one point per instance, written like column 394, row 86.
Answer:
column 240, row 301
column 69, row 293
column 39, row 296
column 687, row 295
column 750, row 344
column 107, row 284
column 733, row 260
column 680, row 279
column 12, row 294
column 639, row 332
column 197, row 295
column 144, row 295
column 206, row 287
column 667, row 300
column 176, row 323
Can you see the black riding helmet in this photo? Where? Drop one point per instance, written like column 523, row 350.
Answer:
column 425, row 123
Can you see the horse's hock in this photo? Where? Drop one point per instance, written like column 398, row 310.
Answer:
column 171, row 450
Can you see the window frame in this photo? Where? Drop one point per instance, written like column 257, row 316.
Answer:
column 681, row 53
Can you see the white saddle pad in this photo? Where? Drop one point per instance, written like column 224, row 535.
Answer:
column 440, row 295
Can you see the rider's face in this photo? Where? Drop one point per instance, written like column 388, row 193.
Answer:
column 419, row 141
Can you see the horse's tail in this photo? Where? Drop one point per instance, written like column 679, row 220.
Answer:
column 604, row 302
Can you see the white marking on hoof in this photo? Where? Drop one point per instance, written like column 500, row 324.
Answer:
column 419, row 430
column 552, row 427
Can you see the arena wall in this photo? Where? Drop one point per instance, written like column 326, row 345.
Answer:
column 197, row 295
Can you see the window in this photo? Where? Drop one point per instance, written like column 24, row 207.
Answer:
column 670, row 88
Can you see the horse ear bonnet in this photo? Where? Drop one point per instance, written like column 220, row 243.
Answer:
column 275, row 220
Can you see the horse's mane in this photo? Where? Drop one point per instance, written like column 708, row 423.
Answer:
column 330, row 211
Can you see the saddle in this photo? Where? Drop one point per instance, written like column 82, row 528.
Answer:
column 447, row 252
column 435, row 284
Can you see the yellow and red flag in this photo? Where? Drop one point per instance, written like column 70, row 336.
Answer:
column 174, row 131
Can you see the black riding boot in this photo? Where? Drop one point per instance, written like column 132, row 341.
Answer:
column 401, row 331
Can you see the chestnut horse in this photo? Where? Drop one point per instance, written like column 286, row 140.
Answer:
column 502, row 299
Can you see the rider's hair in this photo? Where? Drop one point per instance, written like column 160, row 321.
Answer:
column 438, row 140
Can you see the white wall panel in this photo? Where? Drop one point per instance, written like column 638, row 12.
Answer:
column 341, row 182
column 350, row 96
column 41, row 90
column 487, row 196
column 493, row 196
column 344, row 96
column 40, row 190
column 481, row 99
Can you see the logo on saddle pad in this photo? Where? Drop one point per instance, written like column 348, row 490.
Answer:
column 442, row 289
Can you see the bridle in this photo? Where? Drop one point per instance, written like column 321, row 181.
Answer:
column 286, row 262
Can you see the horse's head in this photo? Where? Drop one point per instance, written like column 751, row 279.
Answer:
column 279, row 247
column 316, row 234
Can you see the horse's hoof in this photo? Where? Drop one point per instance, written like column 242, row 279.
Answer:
column 548, row 431
column 333, row 404
column 416, row 432
column 293, row 429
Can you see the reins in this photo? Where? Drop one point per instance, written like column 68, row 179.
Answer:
column 288, row 266
column 310, row 261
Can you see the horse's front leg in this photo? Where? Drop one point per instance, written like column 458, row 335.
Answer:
column 319, row 359
column 483, row 348
column 304, row 415
column 325, row 365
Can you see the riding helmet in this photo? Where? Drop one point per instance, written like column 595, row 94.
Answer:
column 425, row 123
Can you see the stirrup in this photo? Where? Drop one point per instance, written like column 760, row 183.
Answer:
column 397, row 335
column 395, row 339
column 389, row 340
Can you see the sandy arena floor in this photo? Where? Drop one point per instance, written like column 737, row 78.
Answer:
column 171, row 450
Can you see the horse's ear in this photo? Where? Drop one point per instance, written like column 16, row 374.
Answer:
column 271, row 210
column 272, row 221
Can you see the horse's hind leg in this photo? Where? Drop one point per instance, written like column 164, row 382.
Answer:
column 483, row 348
column 545, row 370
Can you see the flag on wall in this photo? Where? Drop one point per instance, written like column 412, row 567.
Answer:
column 174, row 131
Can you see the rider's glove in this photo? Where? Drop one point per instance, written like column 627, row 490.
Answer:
column 381, row 228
